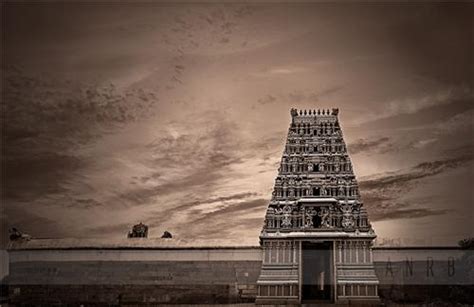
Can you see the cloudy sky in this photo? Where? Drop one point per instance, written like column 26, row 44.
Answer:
column 176, row 114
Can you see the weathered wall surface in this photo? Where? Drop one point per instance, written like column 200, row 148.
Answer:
column 416, row 275
column 131, row 282
column 133, row 276
column 208, row 275
column 3, row 263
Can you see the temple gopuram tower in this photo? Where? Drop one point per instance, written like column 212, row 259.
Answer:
column 317, row 237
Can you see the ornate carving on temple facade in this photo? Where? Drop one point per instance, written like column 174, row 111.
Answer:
column 316, row 199
column 347, row 216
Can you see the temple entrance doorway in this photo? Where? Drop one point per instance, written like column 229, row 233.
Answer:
column 317, row 272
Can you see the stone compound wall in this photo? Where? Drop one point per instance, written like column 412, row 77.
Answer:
column 442, row 276
column 124, row 277
column 208, row 276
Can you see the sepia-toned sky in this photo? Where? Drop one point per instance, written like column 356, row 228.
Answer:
column 176, row 114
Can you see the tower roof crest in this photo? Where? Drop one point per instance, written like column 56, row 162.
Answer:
column 312, row 112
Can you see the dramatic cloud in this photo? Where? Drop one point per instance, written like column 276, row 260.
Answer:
column 363, row 145
column 306, row 96
column 176, row 114
column 419, row 110
column 46, row 120
column 396, row 181
column 415, row 104
column 259, row 204
column 267, row 100
column 382, row 194
column 403, row 211
column 458, row 122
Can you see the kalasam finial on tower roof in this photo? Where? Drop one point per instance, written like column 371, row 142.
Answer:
column 294, row 112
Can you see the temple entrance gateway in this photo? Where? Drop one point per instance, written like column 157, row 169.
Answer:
column 316, row 239
column 317, row 284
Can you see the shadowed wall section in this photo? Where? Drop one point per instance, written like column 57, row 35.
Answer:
column 133, row 275
column 148, row 271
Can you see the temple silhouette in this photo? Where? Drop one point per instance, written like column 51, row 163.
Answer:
column 317, row 237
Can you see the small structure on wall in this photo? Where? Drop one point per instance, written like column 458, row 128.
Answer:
column 138, row 231
column 15, row 234
column 166, row 235
column 316, row 237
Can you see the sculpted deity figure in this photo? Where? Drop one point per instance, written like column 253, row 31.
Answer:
column 347, row 216
column 341, row 191
column 286, row 220
column 325, row 218
column 310, row 212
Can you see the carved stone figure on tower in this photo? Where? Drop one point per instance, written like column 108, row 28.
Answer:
column 347, row 216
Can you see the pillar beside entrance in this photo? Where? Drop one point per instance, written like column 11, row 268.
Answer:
column 279, row 278
column 355, row 272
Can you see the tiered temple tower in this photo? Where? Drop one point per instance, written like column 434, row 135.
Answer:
column 317, row 237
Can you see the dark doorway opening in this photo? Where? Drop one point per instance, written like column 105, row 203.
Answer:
column 317, row 220
column 316, row 192
column 317, row 279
